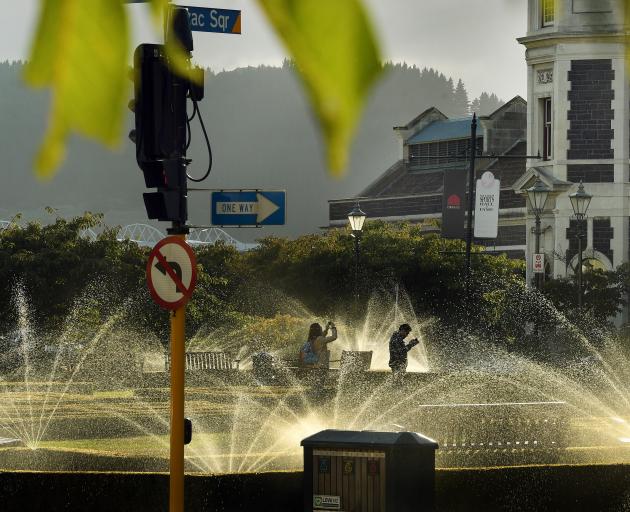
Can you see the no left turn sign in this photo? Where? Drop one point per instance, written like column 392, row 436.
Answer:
column 171, row 272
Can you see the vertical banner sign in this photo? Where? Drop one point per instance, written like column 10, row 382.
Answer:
column 487, row 206
column 453, row 203
column 539, row 263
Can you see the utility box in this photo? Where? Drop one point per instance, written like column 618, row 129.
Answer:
column 369, row 471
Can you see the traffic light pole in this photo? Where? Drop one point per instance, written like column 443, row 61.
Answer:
column 178, row 317
column 160, row 135
column 176, row 466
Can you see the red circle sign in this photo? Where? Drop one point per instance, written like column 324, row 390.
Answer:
column 171, row 272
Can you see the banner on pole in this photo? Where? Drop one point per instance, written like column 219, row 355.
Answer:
column 487, row 206
column 454, row 203
column 538, row 263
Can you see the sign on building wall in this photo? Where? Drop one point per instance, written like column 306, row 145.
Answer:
column 487, row 206
column 544, row 76
column 454, row 203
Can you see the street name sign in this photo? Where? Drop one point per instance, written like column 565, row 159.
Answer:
column 171, row 272
column 247, row 208
column 208, row 19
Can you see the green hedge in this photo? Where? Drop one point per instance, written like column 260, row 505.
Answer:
column 136, row 492
column 592, row 488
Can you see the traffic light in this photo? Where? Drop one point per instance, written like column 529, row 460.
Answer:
column 169, row 203
column 160, row 133
column 149, row 75
column 161, row 123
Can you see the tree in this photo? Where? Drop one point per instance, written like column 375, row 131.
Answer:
column 603, row 295
column 461, row 99
column 486, row 104
column 55, row 263
column 75, row 283
column 318, row 270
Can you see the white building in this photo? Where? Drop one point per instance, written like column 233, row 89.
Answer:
column 577, row 118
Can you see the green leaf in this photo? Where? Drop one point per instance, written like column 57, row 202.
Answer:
column 335, row 52
column 80, row 52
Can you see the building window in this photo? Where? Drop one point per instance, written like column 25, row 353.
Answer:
column 441, row 152
column 603, row 234
column 547, row 12
column 547, row 130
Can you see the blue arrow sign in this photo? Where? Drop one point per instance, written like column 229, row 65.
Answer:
column 249, row 208
column 207, row 19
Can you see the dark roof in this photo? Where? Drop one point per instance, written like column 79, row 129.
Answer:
column 515, row 99
column 418, row 118
column 510, row 169
column 387, row 206
column 402, row 180
column 398, row 180
column 446, row 129
column 394, row 172
column 367, row 439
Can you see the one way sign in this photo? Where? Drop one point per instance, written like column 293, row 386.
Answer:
column 248, row 208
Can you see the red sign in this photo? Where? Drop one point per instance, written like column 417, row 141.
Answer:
column 453, row 201
column 372, row 467
column 539, row 263
column 171, row 272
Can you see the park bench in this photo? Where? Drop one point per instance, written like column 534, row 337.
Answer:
column 207, row 361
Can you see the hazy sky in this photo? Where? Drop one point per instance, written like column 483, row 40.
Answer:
column 469, row 39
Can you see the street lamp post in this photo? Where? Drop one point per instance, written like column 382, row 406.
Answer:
column 580, row 201
column 537, row 196
column 356, row 218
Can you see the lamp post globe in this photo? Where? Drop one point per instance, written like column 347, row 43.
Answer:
column 580, row 202
column 356, row 218
column 537, row 197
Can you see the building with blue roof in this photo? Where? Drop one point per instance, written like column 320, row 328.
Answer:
column 572, row 132
column 447, row 129
column 431, row 145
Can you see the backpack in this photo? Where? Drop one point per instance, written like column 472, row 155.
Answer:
column 307, row 354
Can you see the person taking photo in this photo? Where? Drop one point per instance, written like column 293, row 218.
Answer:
column 398, row 351
column 314, row 352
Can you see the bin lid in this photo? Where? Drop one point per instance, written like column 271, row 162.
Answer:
column 352, row 438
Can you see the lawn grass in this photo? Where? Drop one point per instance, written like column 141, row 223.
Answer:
column 136, row 446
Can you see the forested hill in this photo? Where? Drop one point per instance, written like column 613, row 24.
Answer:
column 262, row 135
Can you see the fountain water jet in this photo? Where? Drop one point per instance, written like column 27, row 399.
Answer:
column 492, row 407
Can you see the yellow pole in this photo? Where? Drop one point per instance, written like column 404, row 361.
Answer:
column 176, row 495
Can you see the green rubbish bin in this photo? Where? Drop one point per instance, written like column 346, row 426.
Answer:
column 369, row 471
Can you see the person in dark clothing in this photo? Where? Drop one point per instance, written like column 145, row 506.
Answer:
column 398, row 350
